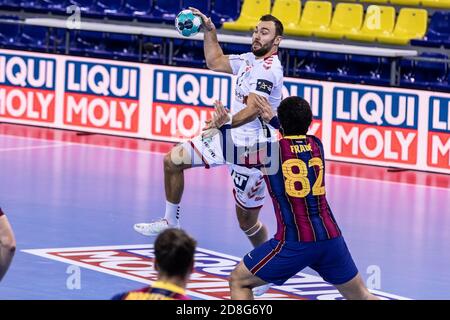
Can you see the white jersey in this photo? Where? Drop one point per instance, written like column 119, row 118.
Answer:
column 263, row 77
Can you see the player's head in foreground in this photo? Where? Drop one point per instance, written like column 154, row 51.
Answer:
column 295, row 116
column 174, row 256
column 267, row 36
column 174, row 261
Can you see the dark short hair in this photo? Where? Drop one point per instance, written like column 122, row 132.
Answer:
column 295, row 116
column 174, row 252
column 279, row 29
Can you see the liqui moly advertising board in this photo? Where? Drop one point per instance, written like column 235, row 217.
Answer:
column 377, row 126
column 27, row 88
column 364, row 124
column 183, row 101
column 101, row 96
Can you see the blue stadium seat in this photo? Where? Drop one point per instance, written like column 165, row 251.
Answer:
column 90, row 43
column 106, row 8
column 425, row 74
column 303, row 62
column 135, row 9
column 406, row 72
column 53, row 6
column 57, row 40
column 9, row 4
column 33, row 38
column 9, row 32
column 235, row 48
column 188, row 54
column 443, row 86
column 86, row 6
column 122, row 47
column 438, row 33
column 203, row 5
column 368, row 70
column 166, row 11
column 222, row 11
column 8, row 17
column 153, row 50
column 82, row 3
column 31, row 5
column 324, row 65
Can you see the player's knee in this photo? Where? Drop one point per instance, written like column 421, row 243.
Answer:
column 246, row 225
column 169, row 164
column 247, row 219
column 168, row 161
column 177, row 160
column 250, row 226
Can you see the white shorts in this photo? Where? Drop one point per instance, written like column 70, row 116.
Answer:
column 249, row 185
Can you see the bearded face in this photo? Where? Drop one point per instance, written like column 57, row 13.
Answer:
column 264, row 38
column 260, row 49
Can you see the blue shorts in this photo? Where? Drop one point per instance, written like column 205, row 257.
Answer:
column 276, row 262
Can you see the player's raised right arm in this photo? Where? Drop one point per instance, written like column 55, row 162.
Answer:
column 215, row 59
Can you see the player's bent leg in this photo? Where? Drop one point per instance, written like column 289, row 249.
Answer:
column 242, row 281
column 7, row 244
column 199, row 151
column 250, row 224
column 249, row 193
column 355, row 289
column 175, row 162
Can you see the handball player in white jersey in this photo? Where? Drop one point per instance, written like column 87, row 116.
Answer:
column 257, row 73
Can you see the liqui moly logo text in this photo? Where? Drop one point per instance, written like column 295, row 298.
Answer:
column 314, row 95
column 375, row 125
column 439, row 133
column 102, row 79
column 196, row 89
column 102, row 96
column 183, row 101
column 209, row 279
column 27, row 88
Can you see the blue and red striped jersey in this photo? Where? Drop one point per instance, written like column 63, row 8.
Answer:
column 296, row 183
column 298, row 192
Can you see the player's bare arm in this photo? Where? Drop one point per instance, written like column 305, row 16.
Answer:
column 215, row 59
column 247, row 114
column 244, row 116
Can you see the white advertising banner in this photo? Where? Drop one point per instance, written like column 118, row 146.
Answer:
column 363, row 124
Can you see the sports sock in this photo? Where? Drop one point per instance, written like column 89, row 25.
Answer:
column 172, row 213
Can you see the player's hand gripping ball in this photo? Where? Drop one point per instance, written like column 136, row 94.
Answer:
column 187, row 23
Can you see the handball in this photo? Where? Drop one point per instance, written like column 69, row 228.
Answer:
column 187, row 23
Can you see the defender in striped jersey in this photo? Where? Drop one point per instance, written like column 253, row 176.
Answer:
column 307, row 233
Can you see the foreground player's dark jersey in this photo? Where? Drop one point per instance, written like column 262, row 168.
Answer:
column 158, row 291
